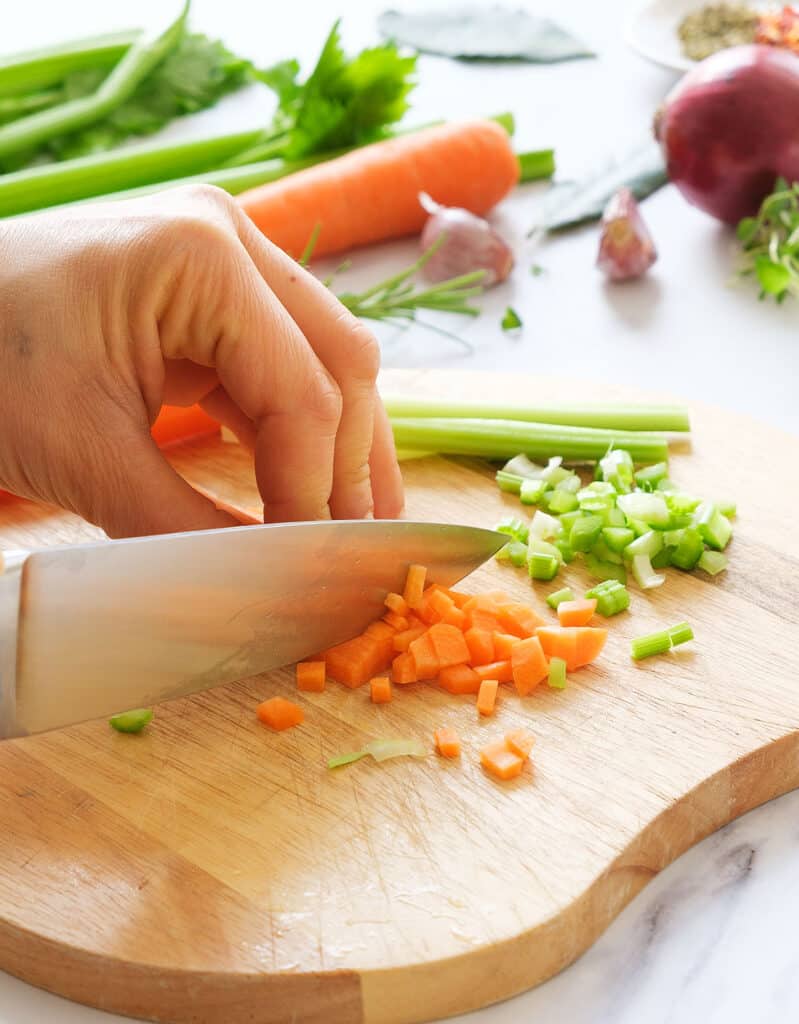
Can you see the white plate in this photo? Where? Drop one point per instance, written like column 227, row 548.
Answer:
column 651, row 30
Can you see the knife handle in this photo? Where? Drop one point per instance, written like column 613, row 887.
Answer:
column 11, row 561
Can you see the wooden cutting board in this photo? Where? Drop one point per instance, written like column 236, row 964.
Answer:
column 212, row 872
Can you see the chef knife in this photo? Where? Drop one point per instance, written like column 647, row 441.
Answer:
column 94, row 629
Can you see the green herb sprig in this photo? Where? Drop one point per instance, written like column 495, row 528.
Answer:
column 770, row 242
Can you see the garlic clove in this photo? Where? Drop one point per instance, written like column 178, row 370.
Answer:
column 626, row 249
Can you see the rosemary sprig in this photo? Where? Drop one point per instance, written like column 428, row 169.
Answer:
column 770, row 242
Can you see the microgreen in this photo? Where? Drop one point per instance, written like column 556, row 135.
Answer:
column 770, row 242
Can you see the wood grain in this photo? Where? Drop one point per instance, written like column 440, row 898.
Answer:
column 212, row 872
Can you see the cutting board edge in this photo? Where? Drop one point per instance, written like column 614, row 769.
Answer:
column 415, row 992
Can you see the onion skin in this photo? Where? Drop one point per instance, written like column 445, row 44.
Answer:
column 730, row 128
column 470, row 244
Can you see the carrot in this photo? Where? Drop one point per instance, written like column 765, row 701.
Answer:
column 355, row 662
column 372, row 194
column 577, row 645
column 311, row 676
column 459, row 679
column 500, row 761
column 175, row 424
column 439, row 601
column 414, row 585
column 487, row 696
column 529, row 665
column 520, row 741
column 447, row 742
column 279, row 713
column 380, row 690
column 426, row 612
column 424, row 657
column 520, row 620
column 503, row 645
column 499, row 670
column 403, row 639
column 576, row 613
column 397, row 603
column 449, row 645
column 403, row 669
column 458, row 599
column 397, row 622
column 481, row 645
column 380, row 630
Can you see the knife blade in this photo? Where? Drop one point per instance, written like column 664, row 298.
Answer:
column 93, row 629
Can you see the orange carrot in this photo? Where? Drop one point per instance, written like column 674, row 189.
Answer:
column 500, row 761
column 577, row 645
column 372, row 194
column 447, row 742
column 424, row 657
column 487, row 696
column 403, row 669
column 414, row 585
column 355, row 662
column 175, row 424
column 529, row 664
column 520, row 741
column 381, row 631
column 520, row 620
column 459, row 679
column 458, row 599
column 404, row 638
column 440, row 602
column 397, row 622
column 397, row 603
column 449, row 645
column 576, row 613
column 311, row 676
column 481, row 645
column 499, row 670
column 279, row 713
column 504, row 644
column 380, row 690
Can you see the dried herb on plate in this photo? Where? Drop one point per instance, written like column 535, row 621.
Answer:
column 717, row 27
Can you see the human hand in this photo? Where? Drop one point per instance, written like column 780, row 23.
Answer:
column 109, row 311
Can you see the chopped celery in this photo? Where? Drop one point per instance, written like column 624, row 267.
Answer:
column 713, row 527
column 603, row 552
column 611, row 597
column 648, row 508
column 639, row 528
column 515, row 552
column 665, row 485
column 645, row 575
column 565, row 548
column 617, row 537
column 584, row 532
column 542, row 567
column 520, row 465
column 659, row 643
column 531, row 491
column 713, row 562
column 617, row 469
column 672, row 538
column 614, row 517
column 604, row 570
column 689, row 550
column 509, row 482
column 597, row 489
column 650, row 476
column 727, row 508
column 570, row 483
column 679, row 521
column 384, row 750
column 599, row 504
column 558, row 596
column 559, row 501
column 557, row 673
column 341, row 759
column 555, row 475
column 538, row 546
column 544, row 526
column 680, row 502
column 131, row 721
column 648, row 544
column 568, row 519
column 513, row 527
column 662, row 560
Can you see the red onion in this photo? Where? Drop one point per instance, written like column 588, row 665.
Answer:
column 626, row 249
column 470, row 243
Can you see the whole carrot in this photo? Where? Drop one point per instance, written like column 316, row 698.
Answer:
column 372, row 194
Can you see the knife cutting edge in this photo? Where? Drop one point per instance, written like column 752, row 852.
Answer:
column 94, row 629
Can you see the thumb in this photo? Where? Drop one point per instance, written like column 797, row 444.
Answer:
column 131, row 490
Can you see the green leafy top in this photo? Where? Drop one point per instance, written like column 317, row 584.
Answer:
column 771, row 242
column 345, row 101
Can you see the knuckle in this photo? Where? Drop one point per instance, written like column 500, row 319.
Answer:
column 324, row 399
column 363, row 351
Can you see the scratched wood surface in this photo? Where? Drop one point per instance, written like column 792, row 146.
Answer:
column 212, row 872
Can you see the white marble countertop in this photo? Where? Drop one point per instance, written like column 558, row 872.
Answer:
column 713, row 938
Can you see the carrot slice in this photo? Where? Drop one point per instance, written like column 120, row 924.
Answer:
column 398, row 622
column 403, row 639
column 380, row 690
column 520, row 620
column 447, row 742
column 414, row 585
column 499, row 670
column 311, row 676
column 520, row 741
column 500, row 761
column 529, row 664
column 355, row 662
column 576, row 613
column 403, row 669
column 577, row 645
column 449, row 645
column 279, row 713
column 440, row 602
column 503, row 645
column 459, row 679
column 380, row 630
column 456, row 617
column 481, row 645
column 487, row 696
column 397, row 603
column 426, row 610
column 424, row 657
column 479, row 618
column 458, row 599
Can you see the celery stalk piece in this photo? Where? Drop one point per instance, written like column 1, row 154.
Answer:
column 509, row 482
column 542, row 567
column 604, row 553
column 39, row 69
column 647, row 508
column 689, row 550
column 585, row 532
column 614, row 517
column 520, row 465
column 617, row 468
column 559, row 501
column 662, row 560
column 604, row 570
column 611, row 597
column 662, row 641
column 645, row 576
column 544, row 526
column 559, row 596
column 536, row 164
column 617, row 538
column 131, row 721
column 714, row 528
column 514, row 527
column 532, row 491
column 727, row 508
column 557, row 673
column 649, row 544
column 649, row 477
column 712, row 562
column 514, row 553
column 565, row 549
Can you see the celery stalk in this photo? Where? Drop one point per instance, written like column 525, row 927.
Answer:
column 38, row 69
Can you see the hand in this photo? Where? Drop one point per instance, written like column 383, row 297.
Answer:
column 109, row 311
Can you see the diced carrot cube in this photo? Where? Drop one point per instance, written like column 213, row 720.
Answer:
column 449, row 645
column 520, row 620
column 397, row 603
column 447, row 742
column 455, row 617
column 487, row 696
column 479, row 618
column 520, row 741
column 503, row 645
column 311, row 676
column 414, row 585
column 577, row 645
column 458, row 599
column 380, row 689
column 426, row 610
column 424, row 657
column 459, row 679
column 440, row 602
column 355, row 662
column 398, row 622
column 529, row 665
column 576, row 613
column 403, row 669
column 279, row 713
column 481, row 645
column 499, row 670
column 403, row 639
column 500, row 761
